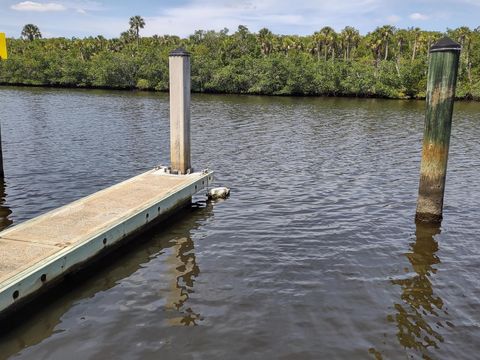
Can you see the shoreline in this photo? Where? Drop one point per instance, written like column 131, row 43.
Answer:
column 134, row 89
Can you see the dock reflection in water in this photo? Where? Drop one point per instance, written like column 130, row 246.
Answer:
column 421, row 312
column 4, row 210
column 173, row 248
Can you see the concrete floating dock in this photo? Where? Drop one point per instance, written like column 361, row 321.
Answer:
column 42, row 250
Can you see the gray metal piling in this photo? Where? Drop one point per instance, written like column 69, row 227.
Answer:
column 179, row 67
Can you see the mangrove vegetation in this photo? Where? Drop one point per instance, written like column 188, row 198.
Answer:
column 387, row 62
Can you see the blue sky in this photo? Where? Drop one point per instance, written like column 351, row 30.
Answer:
column 81, row 18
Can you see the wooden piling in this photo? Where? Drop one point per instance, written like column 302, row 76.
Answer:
column 179, row 67
column 441, row 82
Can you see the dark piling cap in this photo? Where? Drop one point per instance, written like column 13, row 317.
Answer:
column 445, row 44
column 179, row 52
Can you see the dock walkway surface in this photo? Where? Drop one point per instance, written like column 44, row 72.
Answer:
column 38, row 251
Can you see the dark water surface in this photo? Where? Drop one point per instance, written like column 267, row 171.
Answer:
column 314, row 256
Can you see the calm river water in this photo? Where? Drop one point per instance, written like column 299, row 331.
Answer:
column 314, row 256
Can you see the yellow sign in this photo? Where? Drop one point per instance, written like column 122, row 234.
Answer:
column 3, row 47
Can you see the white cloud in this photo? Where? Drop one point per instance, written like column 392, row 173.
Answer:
column 277, row 15
column 110, row 18
column 39, row 7
column 418, row 16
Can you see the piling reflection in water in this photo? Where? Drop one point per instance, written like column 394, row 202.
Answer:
column 183, row 263
column 421, row 310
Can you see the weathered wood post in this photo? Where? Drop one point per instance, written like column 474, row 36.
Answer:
column 441, row 82
column 3, row 56
column 179, row 67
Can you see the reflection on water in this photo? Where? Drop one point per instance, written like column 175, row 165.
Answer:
column 183, row 265
column 419, row 313
column 298, row 261
column 177, row 253
column 4, row 210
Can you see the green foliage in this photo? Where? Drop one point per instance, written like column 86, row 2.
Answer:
column 387, row 62
column 413, row 77
column 143, row 84
column 116, row 70
column 359, row 79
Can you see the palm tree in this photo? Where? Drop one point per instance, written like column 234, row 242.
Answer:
column 386, row 32
column 136, row 23
column 464, row 36
column 350, row 38
column 86, row 47
column 287, row 43
column 318, row 39
column 309, row 44
column 432, row 37
column 128, row 36
column 416, row 33
column 299, row 44
column 374, row 42
column 401, row 36
column 31, row 32
column 265, row 38
column 328, row 36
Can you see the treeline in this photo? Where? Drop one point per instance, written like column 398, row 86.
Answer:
column 387, row 62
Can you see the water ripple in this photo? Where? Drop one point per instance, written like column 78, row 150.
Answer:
column 315, row 254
